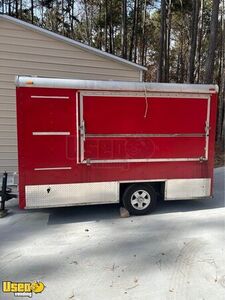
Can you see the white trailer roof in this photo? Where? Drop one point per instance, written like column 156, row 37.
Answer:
column 115, row 85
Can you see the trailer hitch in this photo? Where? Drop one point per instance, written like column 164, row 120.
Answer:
column 5, row 195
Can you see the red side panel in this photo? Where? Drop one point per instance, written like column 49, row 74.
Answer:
column 139, row 115
column 139, row 148
column 41, row 110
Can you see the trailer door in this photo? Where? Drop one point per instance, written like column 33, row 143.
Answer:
column 137, row 127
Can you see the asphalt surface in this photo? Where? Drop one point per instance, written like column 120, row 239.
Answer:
column 90, row 253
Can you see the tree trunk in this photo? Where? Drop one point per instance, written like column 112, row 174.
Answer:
column 9, row 7
column 178, row 68
column 63, row 18
column 87, row 22
column 110, row 29
column 21, row 9
column 32, row 11
column 133, row 30
column 124, row 29
column 221, row 102
column 194, row 33
column 200, row 34
column 143, row 33
column 100, row 28
column 16, row 8
column 72, row 17
column 106, row 26
column 161, row 69
column 42, row 13
column 91, row 16
column 182, row 63
column 136, row 32
column 212, row 42
column 167, row 40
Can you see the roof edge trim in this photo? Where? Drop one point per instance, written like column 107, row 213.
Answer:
column 26, row 81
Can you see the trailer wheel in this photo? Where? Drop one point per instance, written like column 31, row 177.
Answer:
column 139, row 199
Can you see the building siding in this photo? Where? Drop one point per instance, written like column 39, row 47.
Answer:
column 26, row 52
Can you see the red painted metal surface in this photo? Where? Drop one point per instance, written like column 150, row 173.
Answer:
column 140, row 148
column 109, row 116
column 140, row 115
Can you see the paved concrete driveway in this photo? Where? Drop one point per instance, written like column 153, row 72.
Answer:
column 90, row 253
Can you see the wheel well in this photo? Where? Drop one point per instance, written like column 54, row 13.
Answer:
column 159, row 187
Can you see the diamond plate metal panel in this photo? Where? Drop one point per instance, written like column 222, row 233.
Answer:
column 54, row 195
column 176, row 189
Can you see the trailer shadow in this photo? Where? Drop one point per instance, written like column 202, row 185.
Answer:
column 111, row 211
column 108, row 212
column 77, row 214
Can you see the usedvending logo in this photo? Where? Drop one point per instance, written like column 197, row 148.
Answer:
column 23, row 289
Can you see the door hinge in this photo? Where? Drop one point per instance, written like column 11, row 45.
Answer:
column 82, row 130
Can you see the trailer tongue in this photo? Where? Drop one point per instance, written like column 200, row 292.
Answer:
column 93, row 142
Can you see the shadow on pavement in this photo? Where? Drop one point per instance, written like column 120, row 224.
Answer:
column 77, row 214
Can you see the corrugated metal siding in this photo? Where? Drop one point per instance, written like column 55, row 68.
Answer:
column 25, row 52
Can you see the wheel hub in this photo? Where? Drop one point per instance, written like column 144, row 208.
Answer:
column 140, row 199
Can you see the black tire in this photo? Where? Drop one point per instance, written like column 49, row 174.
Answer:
column 146, row 202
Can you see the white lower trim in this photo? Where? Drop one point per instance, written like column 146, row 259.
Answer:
column 176, row 189
column 54, row 195
column 72, row 194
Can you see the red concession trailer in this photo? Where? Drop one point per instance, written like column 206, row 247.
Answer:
column 92, row 142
